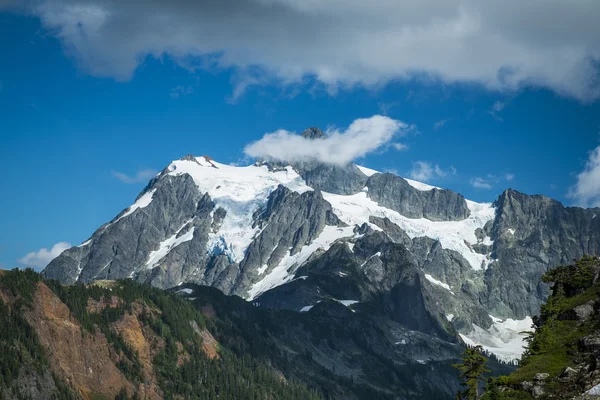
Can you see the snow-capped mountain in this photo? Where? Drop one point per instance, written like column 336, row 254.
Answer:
column 291, row 236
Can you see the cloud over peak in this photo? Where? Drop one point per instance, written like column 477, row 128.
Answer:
column 341, row 43
column 363, row 136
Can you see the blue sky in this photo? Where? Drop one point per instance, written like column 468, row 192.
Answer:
column 79, row 141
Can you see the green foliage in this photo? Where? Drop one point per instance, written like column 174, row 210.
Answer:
column 21, row 284
column 472, row 370
column 491, row 390
column 572, row 279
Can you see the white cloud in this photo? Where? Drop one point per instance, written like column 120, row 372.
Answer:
column 338, row 147
column 141, row 176
column 39, row 259
column 586, row 192
column 179, row 91
column 509, row 177
column 341, row 43
column 423, row 171
column 400, row 146
column 440, row 124
column 481, row 183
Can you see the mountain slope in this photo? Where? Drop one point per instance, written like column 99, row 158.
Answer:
column 121, row 340
column 272, row 232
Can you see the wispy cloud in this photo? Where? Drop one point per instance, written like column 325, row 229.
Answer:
column 440, row 124
column 481, row 183
column 509, row 177
column 399, row 146
column 141, row 176
column 423, row 171
column 39, row 259
column 386, row 107
column 179, row 91
column 496, row 109
column 340, row 147
column 586, row 191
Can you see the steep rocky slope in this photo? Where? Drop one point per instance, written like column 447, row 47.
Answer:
column 122, row 340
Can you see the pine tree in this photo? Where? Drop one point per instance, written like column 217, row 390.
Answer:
column 472, row 369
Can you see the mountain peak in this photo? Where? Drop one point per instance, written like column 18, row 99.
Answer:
column 313, row 133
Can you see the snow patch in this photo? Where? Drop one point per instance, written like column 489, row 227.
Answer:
column 449, row 317
column 187, row 291
column 307, row 308
column 85, row 243
column 284, row 272
column 503, row 338
column 367, row 171
column 142, row 202
column 511, row 231
column 595, row 391
column 347, row 303
column 169, row 244
column 355, row 210
column 438, row 283
column 423, row 187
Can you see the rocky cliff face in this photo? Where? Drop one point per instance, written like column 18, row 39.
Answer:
column 397, row 194
column 290, row 236
column 531, row 234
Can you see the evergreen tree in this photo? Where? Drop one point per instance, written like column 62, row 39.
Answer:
column 472, row 369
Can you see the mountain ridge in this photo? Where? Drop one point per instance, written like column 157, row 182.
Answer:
column 250, row 230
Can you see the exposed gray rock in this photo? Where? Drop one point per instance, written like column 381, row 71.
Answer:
column 585, row 311
column 541, row 376
column 392, row 230
column 122, row 246
column 313, row 133
column 31, row 384
column 393, row 192
column 590, row 343
column 537, row 391
column 546, row 234
column 331, row 178
column 568, row 374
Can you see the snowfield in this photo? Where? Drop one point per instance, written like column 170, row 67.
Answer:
column 503, row 338
column 357, row 208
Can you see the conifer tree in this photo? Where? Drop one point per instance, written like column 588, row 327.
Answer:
column 472, row 369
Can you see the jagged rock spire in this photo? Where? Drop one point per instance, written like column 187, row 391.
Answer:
column 313, row 133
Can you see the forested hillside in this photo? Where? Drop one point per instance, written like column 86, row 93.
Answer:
column 120, row 340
